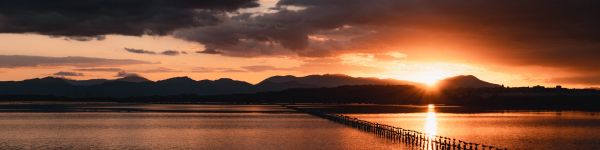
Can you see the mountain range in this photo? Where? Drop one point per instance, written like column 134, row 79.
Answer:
column 133, row 86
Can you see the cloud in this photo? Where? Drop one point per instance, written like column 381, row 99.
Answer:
column 209, row 51
column 166, row 52
column 561, row 34
column 14, row 61
column 101, row 17
column 126, row 74
column 139, row 51
column 170, row 53
column 99, row 69
column 81, row 38
column 67, row 73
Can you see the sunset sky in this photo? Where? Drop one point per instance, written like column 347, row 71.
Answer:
column 515, row 43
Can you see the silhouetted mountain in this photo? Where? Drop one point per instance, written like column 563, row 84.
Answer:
column 328, row 80
column 123, row 87
column 133, row 78
column 464, row 81
column 37, row 86
column 134, row 86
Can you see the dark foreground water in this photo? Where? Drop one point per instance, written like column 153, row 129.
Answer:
column 203, row 127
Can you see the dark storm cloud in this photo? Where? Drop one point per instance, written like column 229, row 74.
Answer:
column 82, row 18
column 67, row 73
column 550, row 33
column 14, row 61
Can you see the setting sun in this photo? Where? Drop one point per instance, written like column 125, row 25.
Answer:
column 429, row 80
column 430, row 77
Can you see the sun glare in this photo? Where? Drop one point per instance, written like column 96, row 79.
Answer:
column 430, row 78
column 428, row 75
column 430, row 121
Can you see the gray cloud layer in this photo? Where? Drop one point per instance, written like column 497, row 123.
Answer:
column 14, row 61
column 101, row 17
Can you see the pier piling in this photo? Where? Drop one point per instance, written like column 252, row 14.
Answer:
column 400, row 135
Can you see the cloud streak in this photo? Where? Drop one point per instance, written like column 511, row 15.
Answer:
column 15, row 61
column 68, row 73
column 208, row 51
column 139, row 51
column 166, row 52
column 126, row 74
column 170, row 53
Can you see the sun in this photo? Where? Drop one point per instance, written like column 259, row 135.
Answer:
column 428, row 74
column 429, row 77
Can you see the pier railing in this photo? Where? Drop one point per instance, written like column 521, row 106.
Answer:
column 396, row 134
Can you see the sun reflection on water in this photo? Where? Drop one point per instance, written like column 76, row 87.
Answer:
column 430, row 122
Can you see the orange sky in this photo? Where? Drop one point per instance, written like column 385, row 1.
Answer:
column 420, row 51
column 392, row 64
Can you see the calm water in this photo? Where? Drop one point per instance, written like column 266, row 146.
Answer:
column 515, row 130
column 141, row 126
column 216, row 127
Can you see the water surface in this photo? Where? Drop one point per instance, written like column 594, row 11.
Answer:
column 515, row 130
column 244, row 127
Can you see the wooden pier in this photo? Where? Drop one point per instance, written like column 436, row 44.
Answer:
column 410, row 137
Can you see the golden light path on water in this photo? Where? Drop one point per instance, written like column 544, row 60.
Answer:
column 430, row 121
